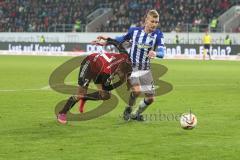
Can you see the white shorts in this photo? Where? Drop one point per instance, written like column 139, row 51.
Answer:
column 144, row 79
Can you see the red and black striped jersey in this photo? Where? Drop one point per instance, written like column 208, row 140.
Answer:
column 106, row 63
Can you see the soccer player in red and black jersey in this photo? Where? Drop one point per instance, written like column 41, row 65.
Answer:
column 101, row 68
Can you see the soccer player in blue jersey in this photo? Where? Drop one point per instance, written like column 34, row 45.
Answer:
column 147, row 42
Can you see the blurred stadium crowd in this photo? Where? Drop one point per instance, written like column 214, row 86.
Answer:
column 40, row 15
column 174, row 14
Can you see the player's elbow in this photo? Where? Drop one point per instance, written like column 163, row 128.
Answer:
column 120, row 39
column 105, row 95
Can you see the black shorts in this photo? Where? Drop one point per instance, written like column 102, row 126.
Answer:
column 207, row 46
column 86, row 75
column 101, row 79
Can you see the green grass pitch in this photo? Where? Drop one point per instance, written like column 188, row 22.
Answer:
column 28, row 127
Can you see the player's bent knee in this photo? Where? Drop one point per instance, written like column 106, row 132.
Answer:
column 136, row 93
column 77, row 97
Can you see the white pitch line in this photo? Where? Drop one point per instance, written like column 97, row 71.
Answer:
column 8, row 90
column 44, row 88
column 27, row 89
column 48, row 88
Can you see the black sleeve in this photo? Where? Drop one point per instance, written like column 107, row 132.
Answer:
column 117, row 45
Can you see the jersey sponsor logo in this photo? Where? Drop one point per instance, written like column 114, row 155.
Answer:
column 144, row 46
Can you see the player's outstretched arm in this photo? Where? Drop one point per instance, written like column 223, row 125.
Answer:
column 104, row 40
column 117, row 44
column 101, row 40
column 102, row 37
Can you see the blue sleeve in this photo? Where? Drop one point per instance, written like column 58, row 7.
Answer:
column 160, row 45
column 126, row 37
column 160, row 52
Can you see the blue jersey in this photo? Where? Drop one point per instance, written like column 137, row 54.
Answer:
column 142, row 43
